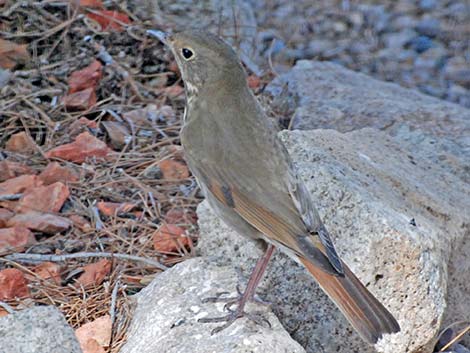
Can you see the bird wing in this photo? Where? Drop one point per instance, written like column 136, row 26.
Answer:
column 279, row 214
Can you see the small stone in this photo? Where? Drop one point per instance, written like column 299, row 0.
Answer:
column 421, row 43
column 42, row 222
column 82, row 125
column 427, row 5
column 317, row 47
column 431, row 59
column 94, row 273
column 114, row 208
column 403, row 22
column 110, row 20
column 21, row 143
column 98, row 330
column 49, row 271
column 118, row 134
column 81, row 100
column 88, row 77
column 54, row 172
column 457, row 69
column 49, row 198
column 5, row 215
column 19, row 184
column 81, row 223
column 399, row 39
column 429, row 27
column 12, row 54
column 169, row 238
column 181, row 217
column 15, row 238
column 9, row 169
column 13, row 284
column 85, row 146
column 173, row 170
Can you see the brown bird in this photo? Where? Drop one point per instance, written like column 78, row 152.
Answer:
column 246, row 174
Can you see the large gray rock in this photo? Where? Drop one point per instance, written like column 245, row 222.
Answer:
column 395, row 218
column 324, row 95
column 165, row 319
column 41, row 329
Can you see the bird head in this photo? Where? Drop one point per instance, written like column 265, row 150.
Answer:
column 203, row 59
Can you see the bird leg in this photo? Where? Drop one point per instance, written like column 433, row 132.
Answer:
column 244, row 298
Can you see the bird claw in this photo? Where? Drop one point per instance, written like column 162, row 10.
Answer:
column 229, row 319
column 218, row 298
column 235, row 313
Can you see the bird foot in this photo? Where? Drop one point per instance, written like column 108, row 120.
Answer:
column 256, row 317
column 229, row 301
column 236, row 313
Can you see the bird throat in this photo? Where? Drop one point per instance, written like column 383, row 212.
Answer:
column 191, row 96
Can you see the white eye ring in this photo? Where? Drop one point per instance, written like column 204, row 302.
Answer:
column 187, row 53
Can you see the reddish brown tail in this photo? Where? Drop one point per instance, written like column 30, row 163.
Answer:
column 365, row 313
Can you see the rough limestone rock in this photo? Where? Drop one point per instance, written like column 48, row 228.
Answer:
column 41, row 329
column 324, row 95
column 396, row 219
column 165, row 319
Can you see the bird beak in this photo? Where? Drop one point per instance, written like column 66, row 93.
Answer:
column 162, row 36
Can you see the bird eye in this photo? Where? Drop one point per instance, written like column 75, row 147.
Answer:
column 187, row 53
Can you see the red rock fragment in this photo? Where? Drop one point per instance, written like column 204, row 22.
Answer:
column 84, row 146
column 13, row 284
column 21, row 143
column 81, row 125
column 54, row 172
column 49, row 198
column 114, row 208
column 42, row 222
column 173, row 91
column 173, row 67
column 96, row 4
column 9, row 169
column 48, row 271
column 173, row 170
column 181, row 217
column 110, row 20
column 96, row 335
column 91, row 346
column 12, row 54
column 81, row 100
column 16, row 238
column 3, row 312
column 5, row 215
column 253, row 81
column 95, row 273
column 89, row 77
column 80, row 222
column 19, row 184
column 169, row 238
column 118, row 134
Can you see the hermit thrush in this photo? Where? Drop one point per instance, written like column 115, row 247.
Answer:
column 245, row 172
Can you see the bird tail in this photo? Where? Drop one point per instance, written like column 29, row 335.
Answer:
column 365, row 313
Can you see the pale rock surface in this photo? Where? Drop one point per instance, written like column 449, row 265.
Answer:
column 324, row 95
column 370, row 192
column 327, row 95
column 41, row 329
column 165, row 319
